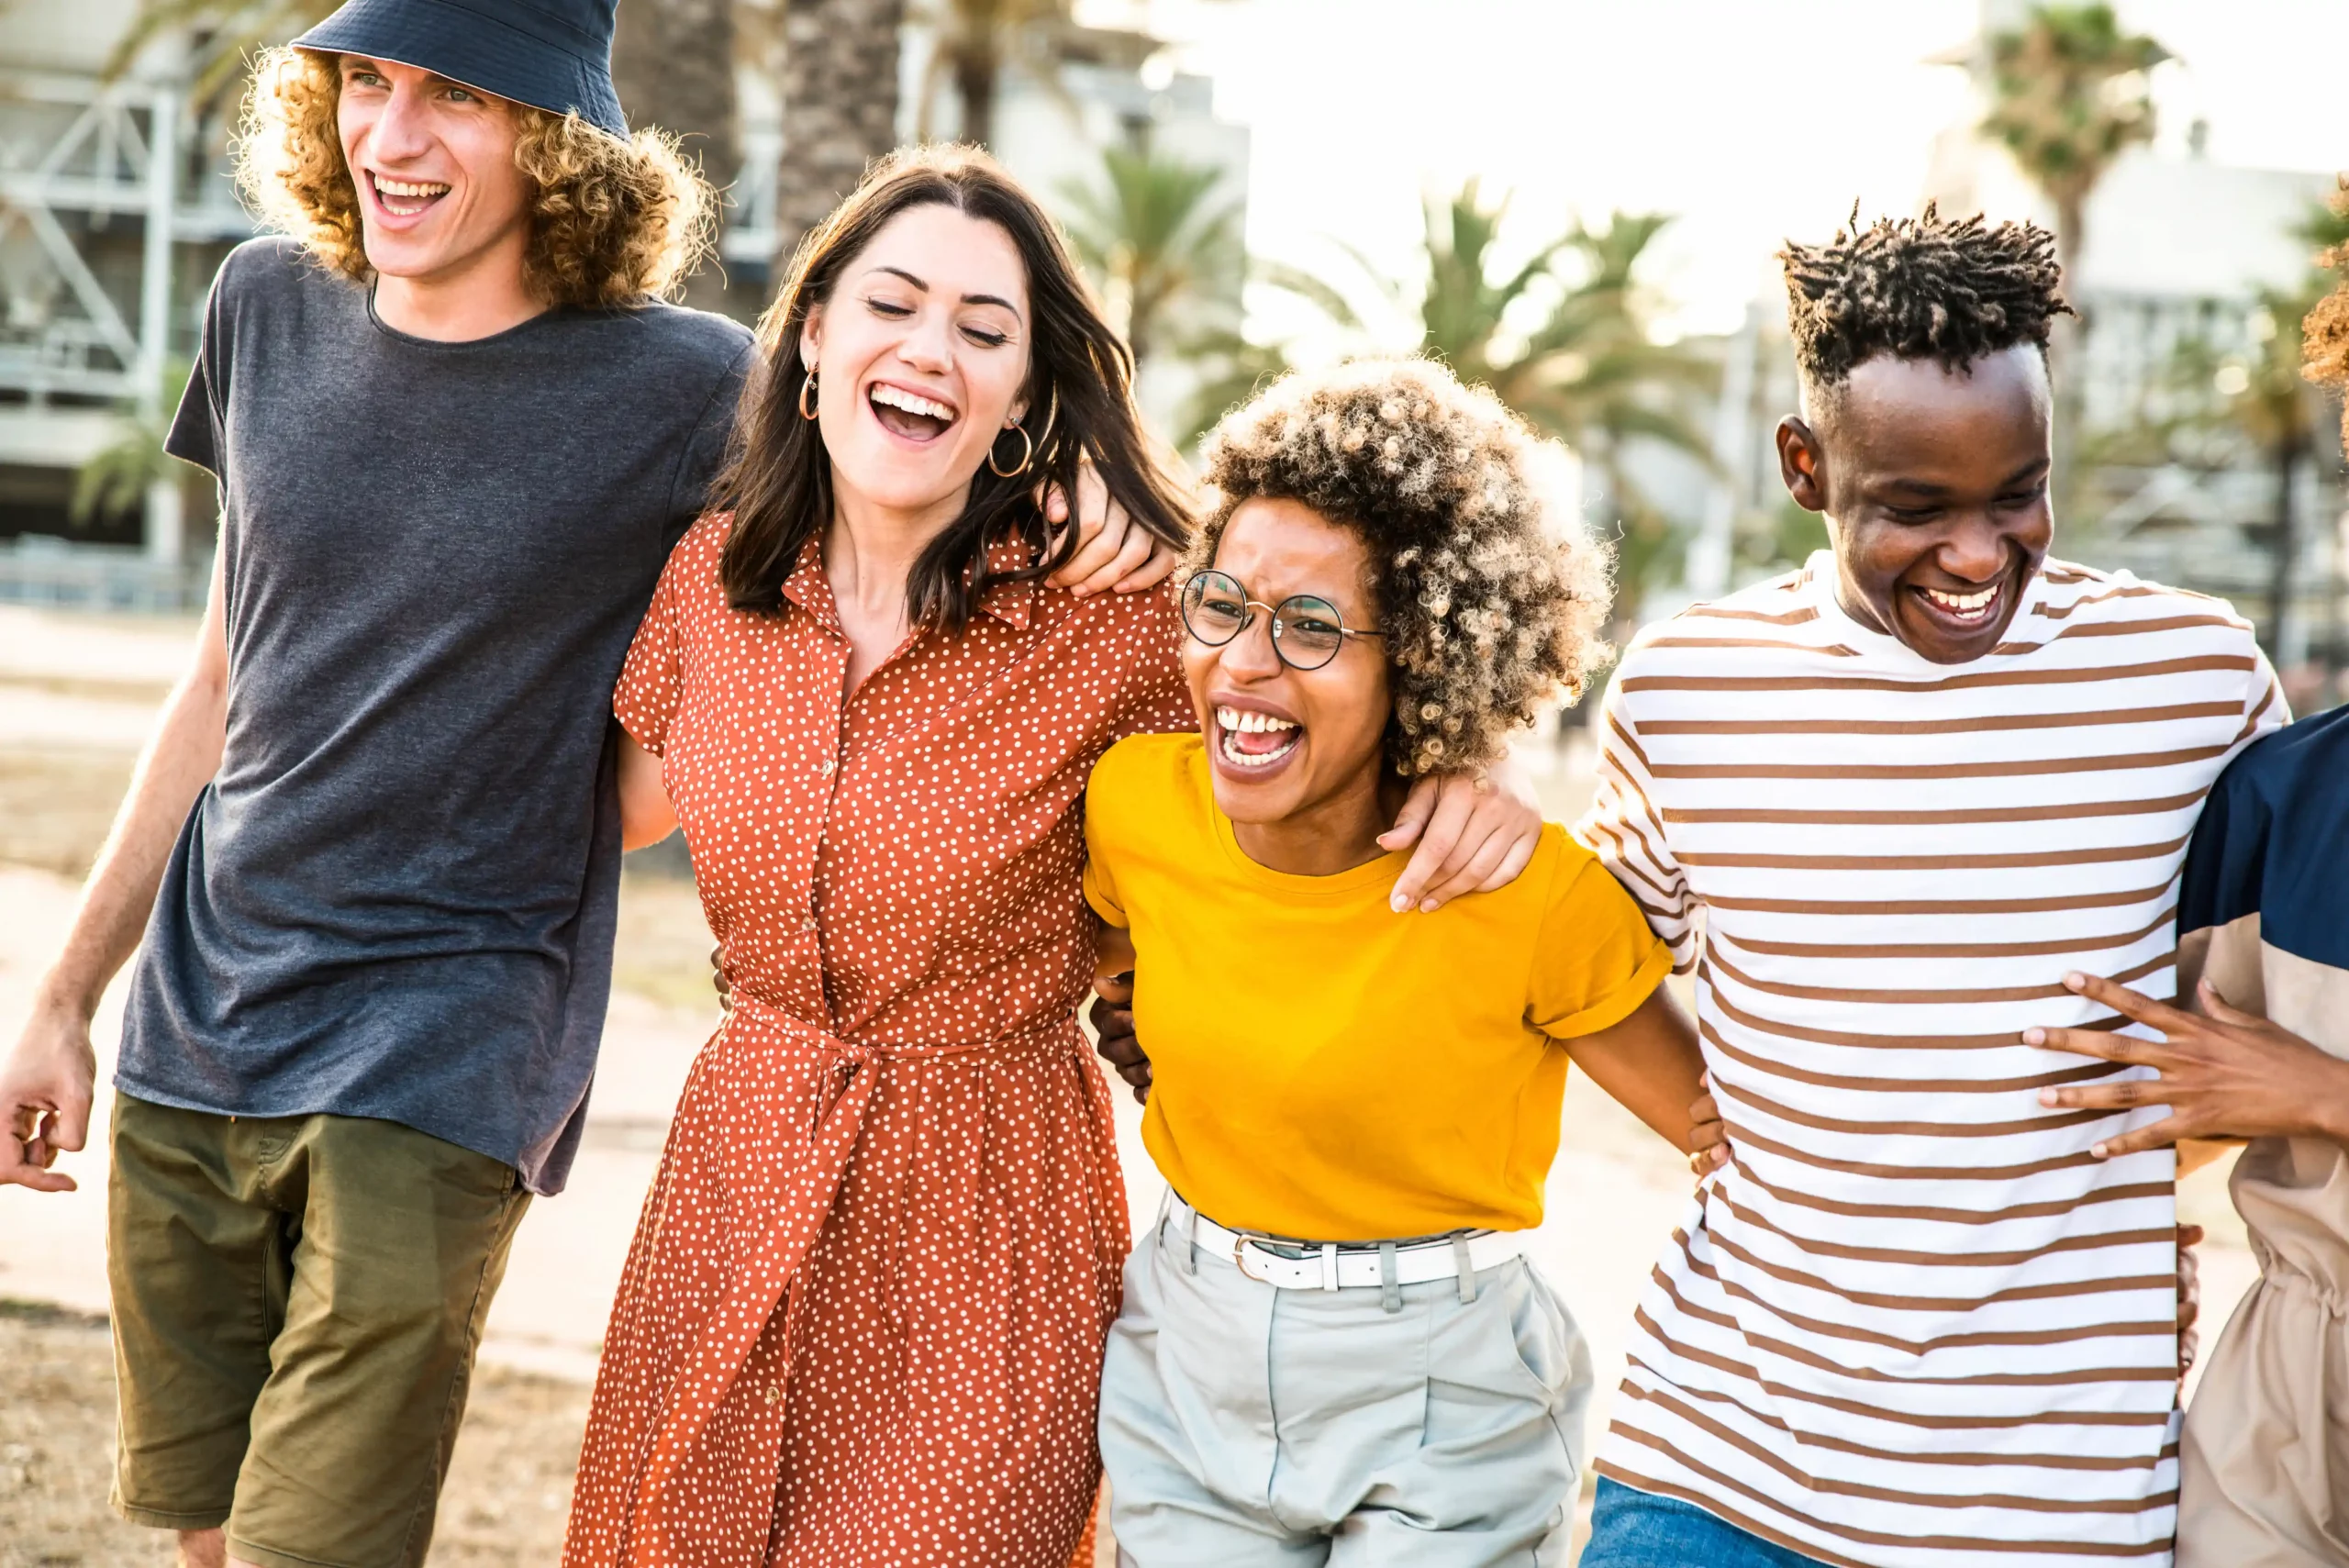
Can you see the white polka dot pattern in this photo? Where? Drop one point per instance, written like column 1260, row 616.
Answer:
column 861, row 1321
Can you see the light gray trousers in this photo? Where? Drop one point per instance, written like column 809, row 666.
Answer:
column 1244, row 1425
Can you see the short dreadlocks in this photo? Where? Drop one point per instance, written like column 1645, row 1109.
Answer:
column 1916, row 289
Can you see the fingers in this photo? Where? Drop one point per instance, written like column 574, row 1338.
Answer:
column 1116, row 990
column 1156, row 567
column 1513, row 863
column 1482, row 869
column 25, row 1161
column 1101, row 527
column 1121, row 1050
column 2130, row 1004
column 1438, row 850
column 2105, row 1096
column 2189, row 1235
column 2158, row 1135
column 2111, row 1047
column 1133, row 548
column 2226, row 1012
column 1409, row 822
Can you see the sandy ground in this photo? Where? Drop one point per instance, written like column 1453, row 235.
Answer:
column 76, row 694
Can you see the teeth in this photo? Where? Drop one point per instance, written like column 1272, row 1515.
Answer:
column 1963, row 604
column 1239, row 759
column 1250, row 722
column 912, row 403
column 409, row 187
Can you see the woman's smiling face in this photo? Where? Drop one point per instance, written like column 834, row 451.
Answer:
column 1284, row 744
column 920, row 356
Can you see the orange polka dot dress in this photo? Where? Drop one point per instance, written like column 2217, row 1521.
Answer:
column 862, row 1321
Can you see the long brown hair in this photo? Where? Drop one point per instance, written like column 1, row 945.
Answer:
column 778, row 479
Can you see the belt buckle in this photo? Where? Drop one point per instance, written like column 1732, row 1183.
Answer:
column 1239, row 1245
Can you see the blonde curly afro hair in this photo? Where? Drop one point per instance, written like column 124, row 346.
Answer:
column 2324, row 339
column 1488, row 591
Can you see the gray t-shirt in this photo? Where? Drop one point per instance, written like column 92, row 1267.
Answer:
column 396, row 899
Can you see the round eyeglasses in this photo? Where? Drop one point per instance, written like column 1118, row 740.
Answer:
column 1307, row 631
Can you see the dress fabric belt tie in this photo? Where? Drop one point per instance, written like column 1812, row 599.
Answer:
column 766, row 1277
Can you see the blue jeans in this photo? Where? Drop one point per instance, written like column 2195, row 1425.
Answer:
column 1632, row 1529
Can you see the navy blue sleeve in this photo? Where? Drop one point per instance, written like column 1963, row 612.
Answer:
column 2226, row 863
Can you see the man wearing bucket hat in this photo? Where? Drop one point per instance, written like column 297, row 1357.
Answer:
column 373, row 848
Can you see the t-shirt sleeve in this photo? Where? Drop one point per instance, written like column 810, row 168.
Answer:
column 702, row 456
column 2219, row 891
column 652, row 680
column 1624, row 830
column 1596, row 959
column 1107, row 799
column 197, row 434
column 2264, row 708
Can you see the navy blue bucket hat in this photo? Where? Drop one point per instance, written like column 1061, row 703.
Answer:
column 554, row 55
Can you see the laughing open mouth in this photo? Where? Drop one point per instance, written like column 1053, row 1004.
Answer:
column 909, row 414
column 1976, row 608
column 1251, row 739
column 405, row 198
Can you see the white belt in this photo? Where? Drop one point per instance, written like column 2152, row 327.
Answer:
column 1356, row 1265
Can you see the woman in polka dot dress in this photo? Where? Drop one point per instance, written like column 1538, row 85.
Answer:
column 862, row 1319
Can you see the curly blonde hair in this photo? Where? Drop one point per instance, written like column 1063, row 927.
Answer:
column 613, row 223
column 2324, row 331
column 1490, row 594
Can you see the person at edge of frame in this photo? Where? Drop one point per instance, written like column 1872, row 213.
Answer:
column 373, row 846
column 2254, row 1048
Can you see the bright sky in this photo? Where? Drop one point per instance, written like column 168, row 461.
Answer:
column 1753, row 120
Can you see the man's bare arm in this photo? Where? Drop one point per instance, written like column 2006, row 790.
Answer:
column 47, row 1081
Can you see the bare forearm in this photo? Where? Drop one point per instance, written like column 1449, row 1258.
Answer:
column 2329, row 1108
column 1651, row 1065
column 646, row 815
column 180, row 760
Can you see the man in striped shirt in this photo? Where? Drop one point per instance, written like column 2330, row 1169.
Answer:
column 1882, row 806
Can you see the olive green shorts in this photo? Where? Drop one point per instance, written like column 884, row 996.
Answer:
column 296, row 1304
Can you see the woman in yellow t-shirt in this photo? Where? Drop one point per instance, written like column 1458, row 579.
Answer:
column 1332, row 1348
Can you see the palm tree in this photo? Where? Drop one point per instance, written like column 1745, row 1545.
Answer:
column 840, row 106
column 1159, row 243
column 1587, row 369
column 2068, row 96
column 115, row 479
column 974, row 40
column 673, row 61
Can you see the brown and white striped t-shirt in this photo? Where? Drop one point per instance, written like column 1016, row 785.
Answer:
column 1915, row 1322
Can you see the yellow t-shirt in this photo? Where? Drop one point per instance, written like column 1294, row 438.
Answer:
column 1323, row 1067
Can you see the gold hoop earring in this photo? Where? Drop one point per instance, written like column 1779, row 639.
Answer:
column 804, row 388
column 1027, row 455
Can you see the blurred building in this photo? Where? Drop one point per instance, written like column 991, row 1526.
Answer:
column 115, row 209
